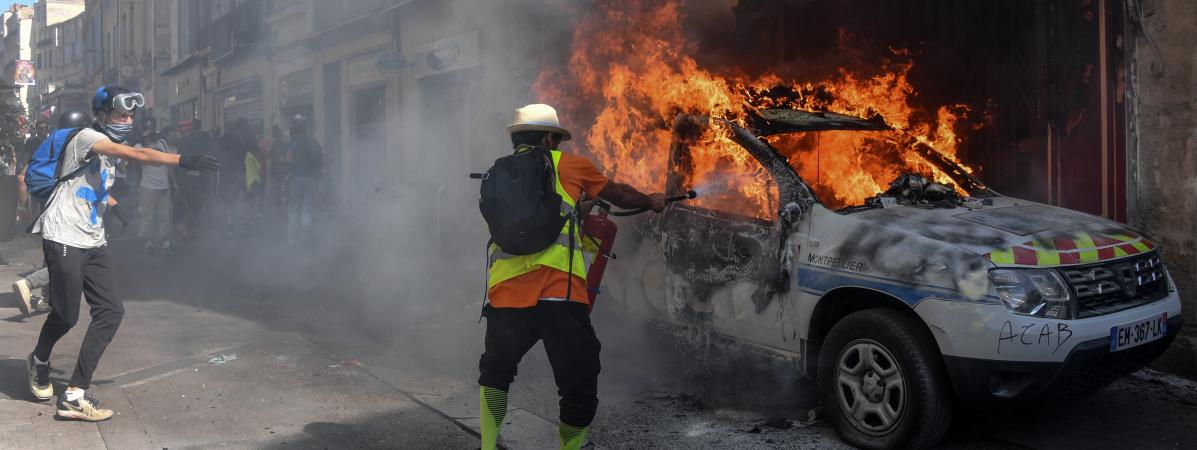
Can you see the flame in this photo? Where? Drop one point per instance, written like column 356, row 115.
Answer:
column 631, row 71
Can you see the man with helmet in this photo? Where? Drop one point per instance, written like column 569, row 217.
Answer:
column 31, row 288
column 75, row 247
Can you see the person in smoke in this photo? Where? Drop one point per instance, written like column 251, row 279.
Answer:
column 277, row 171
column 529, row 298
column 75, row 246
column 255, row 181
column 193, row 185
column 305, row 159
column 154, row 193
column 234, row 145
column 26, row 208
column 32, row 287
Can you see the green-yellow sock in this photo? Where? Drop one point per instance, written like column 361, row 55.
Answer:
column 493, row 408
column 572, row 437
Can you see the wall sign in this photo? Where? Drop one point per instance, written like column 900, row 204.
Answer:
column 296, row 89
column 363, row 69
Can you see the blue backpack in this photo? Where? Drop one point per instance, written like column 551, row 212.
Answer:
column 42, row 173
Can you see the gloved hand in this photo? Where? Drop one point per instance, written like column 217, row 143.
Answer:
column 202, row 162
column 119, row 212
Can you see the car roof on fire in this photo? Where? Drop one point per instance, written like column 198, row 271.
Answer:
column 768, row 122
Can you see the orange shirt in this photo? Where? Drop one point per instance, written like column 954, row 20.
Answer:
column 577, row 175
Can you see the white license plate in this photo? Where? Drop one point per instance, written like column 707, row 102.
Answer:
column 1138, row 333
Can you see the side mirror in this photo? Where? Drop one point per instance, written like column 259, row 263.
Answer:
column 791, row 214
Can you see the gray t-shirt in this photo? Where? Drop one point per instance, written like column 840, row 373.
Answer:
column 155, row 177
column 75, row 213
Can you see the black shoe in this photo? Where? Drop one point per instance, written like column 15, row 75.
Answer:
column 39, row 379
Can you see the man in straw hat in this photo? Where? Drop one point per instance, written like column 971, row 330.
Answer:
column 532, row 298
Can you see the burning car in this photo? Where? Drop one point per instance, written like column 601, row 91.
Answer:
column 923, row 294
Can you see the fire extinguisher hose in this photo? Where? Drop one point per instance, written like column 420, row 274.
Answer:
column 690, row 195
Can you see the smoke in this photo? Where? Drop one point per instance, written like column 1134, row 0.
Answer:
column 397, row 248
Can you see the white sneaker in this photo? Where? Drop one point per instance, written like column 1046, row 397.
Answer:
column 86, row 408
column 21, row 288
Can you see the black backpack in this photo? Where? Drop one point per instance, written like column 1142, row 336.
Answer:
column 520, row 202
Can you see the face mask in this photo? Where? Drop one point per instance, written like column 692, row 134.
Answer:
column 117, row 132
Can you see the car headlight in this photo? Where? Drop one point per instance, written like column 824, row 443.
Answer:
column 1033, row 292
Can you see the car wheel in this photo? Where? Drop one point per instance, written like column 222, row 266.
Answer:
column 882, row 381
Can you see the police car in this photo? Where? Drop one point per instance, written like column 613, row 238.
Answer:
column 897, row 308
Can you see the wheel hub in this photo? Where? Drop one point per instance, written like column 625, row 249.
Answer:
column 873, row 386
column 870, row 387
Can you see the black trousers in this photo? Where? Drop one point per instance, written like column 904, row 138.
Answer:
column 569, row 341
column 75, row 272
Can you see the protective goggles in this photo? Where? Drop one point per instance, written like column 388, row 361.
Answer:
column 128, row 102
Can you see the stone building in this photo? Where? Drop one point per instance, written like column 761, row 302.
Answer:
column 56, row 50
column 1163, row 151
column 18, row 53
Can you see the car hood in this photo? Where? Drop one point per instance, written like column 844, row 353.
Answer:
column 1014, row 232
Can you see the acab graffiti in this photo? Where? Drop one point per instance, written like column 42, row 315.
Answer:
column 1034, row 334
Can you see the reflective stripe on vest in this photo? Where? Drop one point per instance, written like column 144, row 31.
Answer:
column 562, row 240
column 504, row 266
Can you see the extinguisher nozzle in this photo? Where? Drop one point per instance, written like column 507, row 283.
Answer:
column 689, row 195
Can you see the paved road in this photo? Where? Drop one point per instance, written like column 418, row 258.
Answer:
column 324, row 358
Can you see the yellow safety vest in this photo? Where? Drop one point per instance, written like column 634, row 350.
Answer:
column 504, row 266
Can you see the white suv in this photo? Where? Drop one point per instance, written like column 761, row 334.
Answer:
column 896, row 307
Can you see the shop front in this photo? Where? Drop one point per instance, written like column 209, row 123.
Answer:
column 367, row 136
column 296, row 95
column 186, row 82
column 242, row 100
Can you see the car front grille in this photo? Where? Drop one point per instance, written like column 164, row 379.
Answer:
column 1116, row 285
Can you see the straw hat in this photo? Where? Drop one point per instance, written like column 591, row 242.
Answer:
column 538, row 117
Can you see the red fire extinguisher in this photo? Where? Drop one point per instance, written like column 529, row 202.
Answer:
column 599, row 236
column 600, row 233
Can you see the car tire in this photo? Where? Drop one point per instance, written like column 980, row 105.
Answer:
column 882, row 381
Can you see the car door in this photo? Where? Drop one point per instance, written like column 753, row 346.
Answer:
column 728, row 261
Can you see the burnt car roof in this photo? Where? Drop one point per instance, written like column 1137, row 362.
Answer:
column 773, row 121
column 768, row 122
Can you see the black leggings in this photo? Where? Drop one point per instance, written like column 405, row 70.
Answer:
column 75, row 272
column 569, row 341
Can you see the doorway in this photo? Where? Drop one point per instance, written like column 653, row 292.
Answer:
column 367, row 140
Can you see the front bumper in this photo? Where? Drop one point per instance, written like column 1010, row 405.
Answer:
column 1009, row 384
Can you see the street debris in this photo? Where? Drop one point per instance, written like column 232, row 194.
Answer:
column 222, row 358
column 814, row 415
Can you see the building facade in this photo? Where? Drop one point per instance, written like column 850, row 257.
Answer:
column 18, row 67
column 57, row 49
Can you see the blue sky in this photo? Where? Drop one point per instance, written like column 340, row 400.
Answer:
column 5, row 4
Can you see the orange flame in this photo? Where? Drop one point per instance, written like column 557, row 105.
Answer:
column 631, row 72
